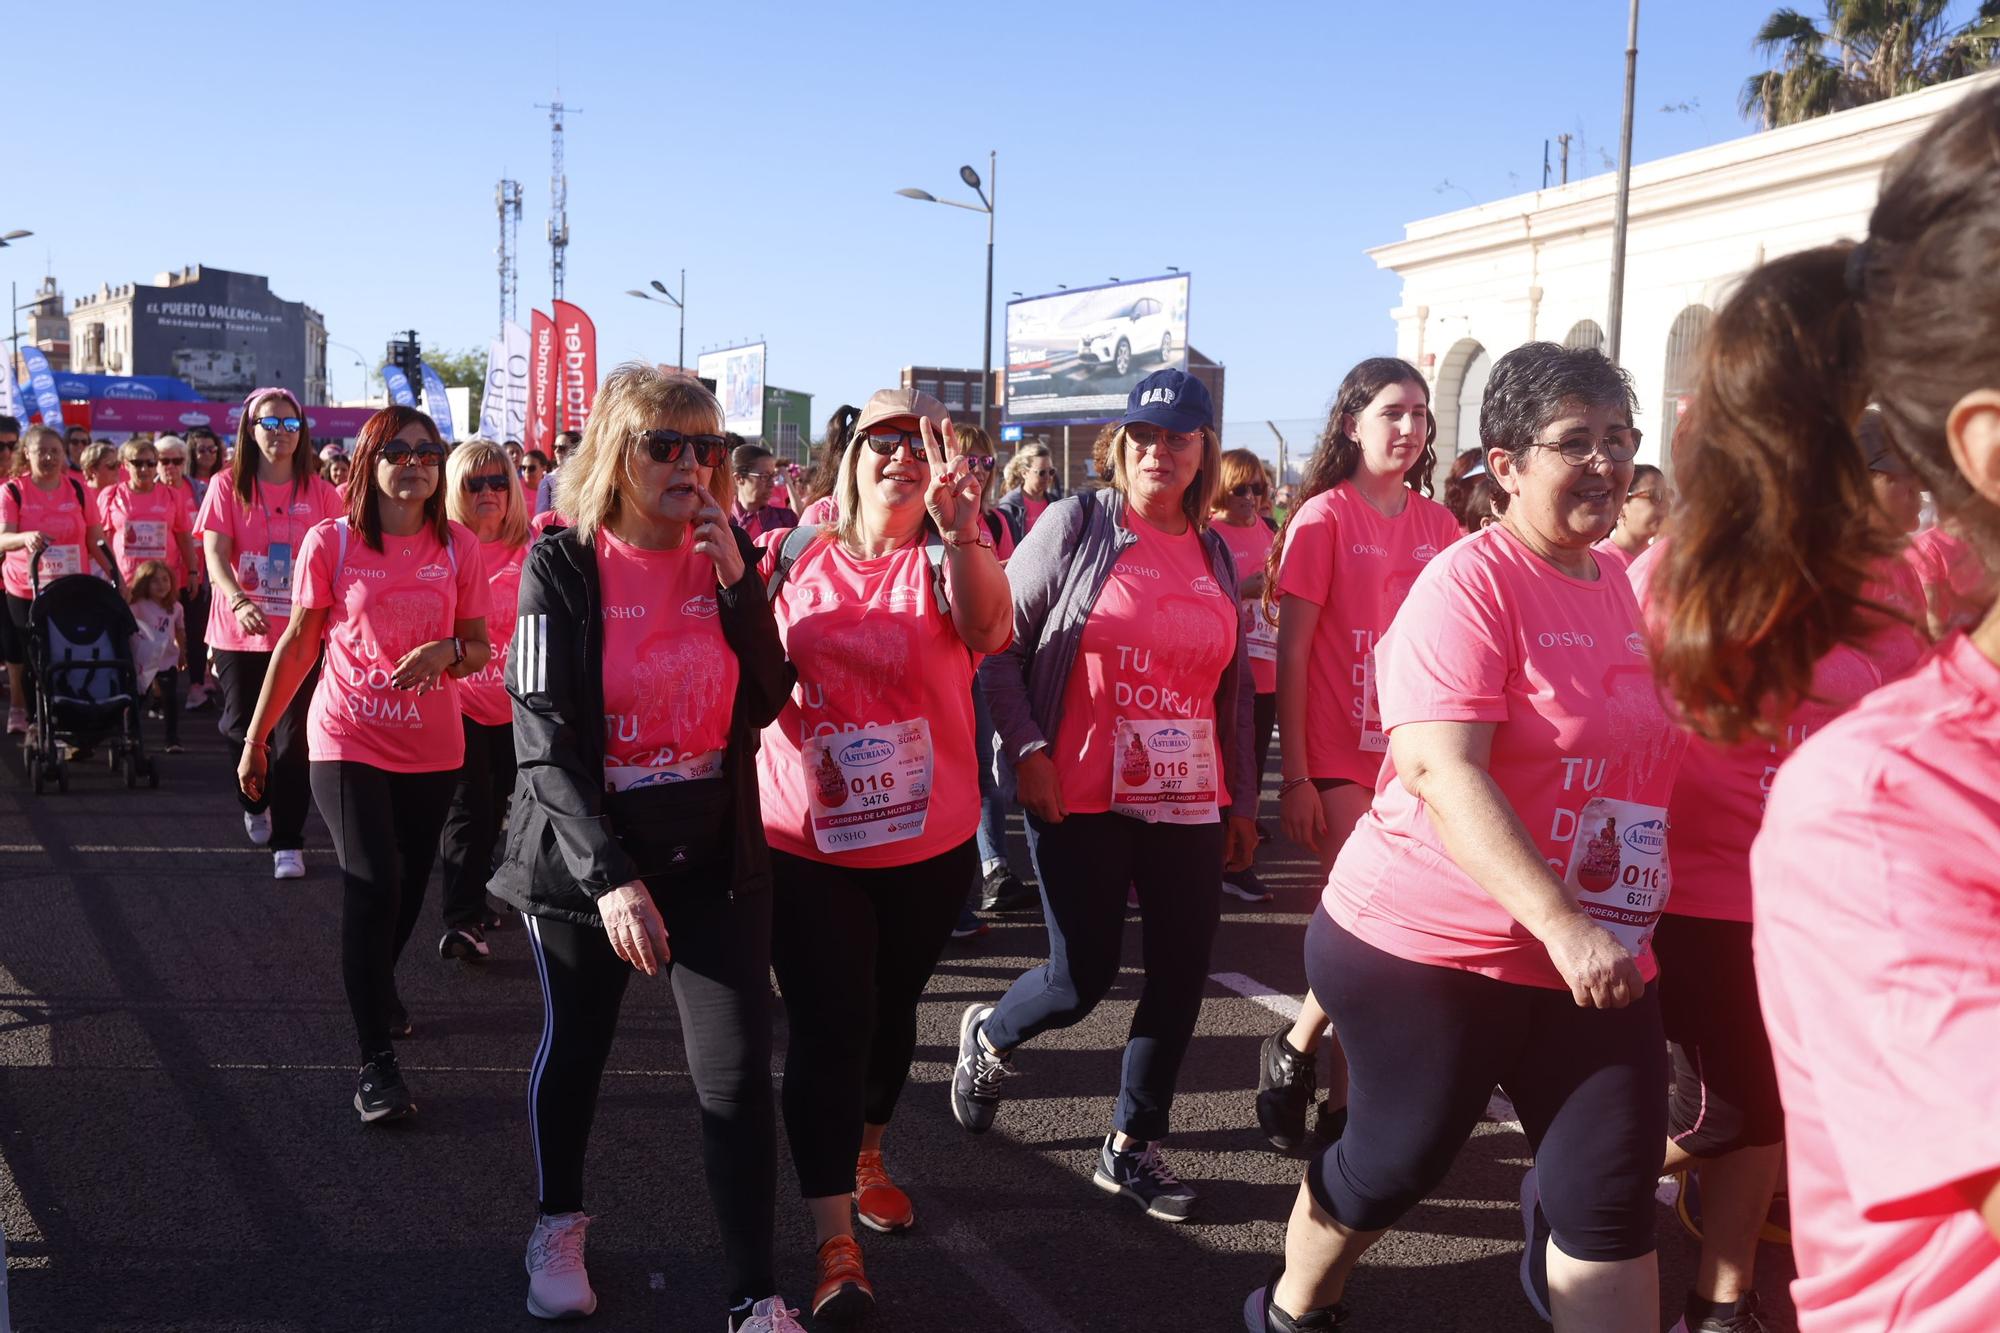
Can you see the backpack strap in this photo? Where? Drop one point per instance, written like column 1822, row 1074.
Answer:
column 14, row 493
column 935, row 551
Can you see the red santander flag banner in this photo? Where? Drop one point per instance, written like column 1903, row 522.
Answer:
column 576, row 356
column 542, row 383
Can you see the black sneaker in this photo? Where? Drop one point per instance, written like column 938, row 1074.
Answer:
column 1003, row 891
column 1742, row 1316
column 1286, row 1082
column 495, row 920
column 968, row 925
column 1262, row 1315
column 466, row 942
column 379, row 1093
column 1141, row 1174
column 975, row 1083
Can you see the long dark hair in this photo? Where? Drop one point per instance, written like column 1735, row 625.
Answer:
column 1774, row 543
column 1338, row 456
column 364, row 499
column 826, row 470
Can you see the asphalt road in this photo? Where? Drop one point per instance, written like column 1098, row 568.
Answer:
column 178, row 1150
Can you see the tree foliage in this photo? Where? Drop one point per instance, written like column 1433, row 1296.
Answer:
column 1862, row 51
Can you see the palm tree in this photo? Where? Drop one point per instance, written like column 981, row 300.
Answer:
column 1863, row 51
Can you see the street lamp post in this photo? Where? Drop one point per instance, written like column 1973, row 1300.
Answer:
column 359, row 360
column 677, row 302
column 14, row 342
column 985, row 205
column 1621, row 213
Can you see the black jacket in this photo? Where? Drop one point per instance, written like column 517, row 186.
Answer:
column 565, row 848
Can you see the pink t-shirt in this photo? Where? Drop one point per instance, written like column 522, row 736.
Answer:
column 1034, row 510
column 145, row 525
column 57, row 515
column 669, row 675
column 1154, row 646
column 265, row 537
column 1878, row 963
column 384, row 604
column 820, row 513
column 872, row 651
column 1491, row 633
column 1612, row 556
column 1357, row 567
column 483, row 694
column 1955, row 582
column 1719, row 797
column 1249, row 546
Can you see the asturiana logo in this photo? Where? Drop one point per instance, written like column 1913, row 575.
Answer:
column 1636, row 642
column 1206, row 586
column 1425, row 552
column 866, row 752
column 1172, row 740
column 1648, row 835
column 433, row 572
column 701, row 606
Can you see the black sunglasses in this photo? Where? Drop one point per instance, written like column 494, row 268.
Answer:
column 1255, row 488
column 885, row 440
column 666, row 446
column 488, row 482
column 146, row 462
column 290, row 425
column 423, row 455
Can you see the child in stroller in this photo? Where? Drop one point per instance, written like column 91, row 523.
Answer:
column 86, row 682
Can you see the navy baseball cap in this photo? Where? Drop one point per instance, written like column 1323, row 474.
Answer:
column 1172, row 399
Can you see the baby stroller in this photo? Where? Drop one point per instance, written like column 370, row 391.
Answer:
column 86, row 683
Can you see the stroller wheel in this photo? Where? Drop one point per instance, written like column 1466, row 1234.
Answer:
column 62, row 778
column 131, row 767
column 152, row 774
column 35, row 773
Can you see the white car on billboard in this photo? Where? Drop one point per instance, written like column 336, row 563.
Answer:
column 1138, row 327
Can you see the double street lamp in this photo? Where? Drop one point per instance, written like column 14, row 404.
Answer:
column 985, row 205
column 679, row 303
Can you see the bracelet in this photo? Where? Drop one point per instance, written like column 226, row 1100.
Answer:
column 1285, row 788
column 980, row 538
column 457, row 650
column 239, row 601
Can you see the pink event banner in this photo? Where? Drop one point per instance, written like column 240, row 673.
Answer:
column 128, row 414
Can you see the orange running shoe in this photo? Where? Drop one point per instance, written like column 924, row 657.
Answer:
column 877, row 1201
column 843, row 1293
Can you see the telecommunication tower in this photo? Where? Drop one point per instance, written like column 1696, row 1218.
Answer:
column 507, row 199
column 558, row 194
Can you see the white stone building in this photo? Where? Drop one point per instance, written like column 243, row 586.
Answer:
column 1482, row 280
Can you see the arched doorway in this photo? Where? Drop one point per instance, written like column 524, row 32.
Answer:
column 1461, row 383
column 1585, row 333
column 1683, row 350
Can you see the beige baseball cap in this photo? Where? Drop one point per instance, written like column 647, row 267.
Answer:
column 888, row 404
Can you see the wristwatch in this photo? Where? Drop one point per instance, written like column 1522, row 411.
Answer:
column 980, row 538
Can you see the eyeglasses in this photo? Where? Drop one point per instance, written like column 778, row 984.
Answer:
column 1256, row 488
column 885, row 440
column 418, row 455
column 8, row 446
column 1661, row 498
column 1619, row 445
column 289, row 425
column 206, row 447
column 1146, row 436
column 667, row 446
column 760, row 478
column 146, row 463
column 170, row 460
column 491, row 481
column 1045, row 472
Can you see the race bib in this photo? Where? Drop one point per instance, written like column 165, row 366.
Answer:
column 623, row 778
column 1372, row 737
column 1618, row 866
column 1163, row 770
column 1262, row 631
column 146, row 537
column 60, row 560
column 267, row 578
column 868, row 788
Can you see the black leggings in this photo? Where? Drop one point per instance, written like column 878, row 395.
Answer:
column 1084, row 864
column 472, row 826
column 1725, row 1093
column 1264, row 718
column 385, row 832
column 195, row 613
column 854, row 950
column 14, row 631
column 1425, row 1047
column 168, row 683
column 287, row 791
column 722, row 986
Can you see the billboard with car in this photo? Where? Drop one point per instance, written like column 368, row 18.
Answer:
column 738, row 373
column 1073, row 356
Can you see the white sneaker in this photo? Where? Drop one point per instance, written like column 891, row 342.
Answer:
column 17, row 721
column 288, row 865
column 771, row 1315
column 259, row 828
column 558, row 1286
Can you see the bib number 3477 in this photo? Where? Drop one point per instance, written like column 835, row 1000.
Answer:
column 1163, row 771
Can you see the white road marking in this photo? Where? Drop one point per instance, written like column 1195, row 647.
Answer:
column 1008, row 1289
column 522, row 1070
column 96, row 849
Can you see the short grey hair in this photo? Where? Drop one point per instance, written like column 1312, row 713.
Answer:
column 1530, row 386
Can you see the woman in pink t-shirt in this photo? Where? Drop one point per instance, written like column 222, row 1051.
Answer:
column 1958, row 592
column 1244, row 492
column 483, row 492
column 45, row 513
column 1875, row 879
column 394, row 593
column 871, row 799
column 145, row 520
column 1125, row 701
column 252, row 525
column 1646, row 508
column 821, row 508
column 1363, row 529
column 1487, row 922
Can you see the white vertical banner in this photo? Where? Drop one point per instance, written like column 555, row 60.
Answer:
column 492, row 403
column 514, row 343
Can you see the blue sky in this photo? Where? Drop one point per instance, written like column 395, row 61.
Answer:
column 350, row 152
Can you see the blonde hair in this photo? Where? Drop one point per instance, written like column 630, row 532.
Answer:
column 974, row 442
column 1239, row 467
column 635, row 397
column 1201, row 492
column 142, row 574
column 1017, row 466
column 128, row 452
column 96, row 454
column 467, row 459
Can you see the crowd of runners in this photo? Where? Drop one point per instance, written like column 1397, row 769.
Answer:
column 682, row 709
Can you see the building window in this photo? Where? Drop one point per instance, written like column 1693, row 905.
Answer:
column 979, row 395
column 928, row 386
column 788, row 436
column 954, row 395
